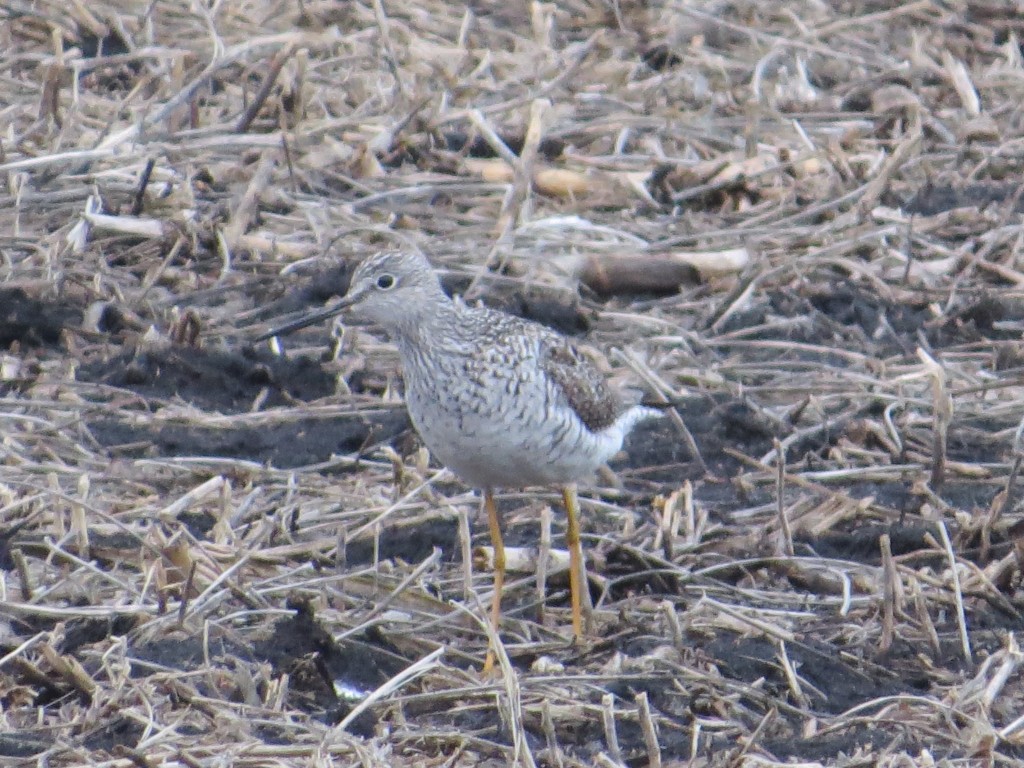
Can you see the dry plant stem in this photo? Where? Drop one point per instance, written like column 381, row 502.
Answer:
column 543, row 553
column 384, row 25
column 247, row 207
column 138, row 204
column 996, row 509
column 611, row 735
column 780, row 501
column 428, row 563
column 924, row 617
column 69, row 669
column 942, row 415
column 675, row 629
column 903, row 152
column 791, row 677
column 548, row 726
column 24, row 579
column 889, row 577
column 649, row 730
column 276, row 64
column 466, row 546
column 961, row 616
column 408, row 674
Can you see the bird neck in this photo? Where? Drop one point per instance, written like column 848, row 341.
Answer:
column 424, row 322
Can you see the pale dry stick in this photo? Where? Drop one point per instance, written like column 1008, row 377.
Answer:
column 924, row 618
column 152, row 277
column 511, row 705
column 410, row 673
column 855, row 358
column 466, row 548
column 517, row 194
column 128, row 225
column 26, row 645
column 611, row 735
column 208, row 594
column 648, row 729
column 1012, row 659
column 547, row 725
column 866, row 474
column 694, row 529
column 269, row 80
column 780, row 502
column 543, row 553
column 675, row 629
column 494, row 141
column 769, row 629
column 965, row 89
column 24, row 575
column 961, row 616
column 889, row 581
column 248, row 206
column 401, row 195
column 391, row 58
column 996, row 508
column 69, row 668
column 108, row 576
column 791, row 677
column 200, row 492
column 734, row 301
column 904, row 150
column 1011, row 728
column 779, row 446
column 668, row 525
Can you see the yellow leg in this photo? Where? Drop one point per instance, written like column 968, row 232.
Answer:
column 572, row 541
column 499, row 570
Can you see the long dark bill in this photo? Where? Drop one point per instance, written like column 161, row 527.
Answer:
column 307, row 320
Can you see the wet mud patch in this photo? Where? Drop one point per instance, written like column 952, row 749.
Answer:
column 862, row 544
column 218, row 381
column 283, row 445
column 656, row 451
column 410, row 543
column 31, row 322
column 852, row 317
column 836, row 685
column 214, row 380
column 328, row 678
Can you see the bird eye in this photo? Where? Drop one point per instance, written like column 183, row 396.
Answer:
column 386, row 282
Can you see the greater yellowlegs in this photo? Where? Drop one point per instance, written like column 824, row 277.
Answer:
column 501, row 401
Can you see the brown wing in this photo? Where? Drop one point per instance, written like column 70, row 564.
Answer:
column 583, row 385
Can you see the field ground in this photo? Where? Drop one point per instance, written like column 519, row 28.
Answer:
column 798, row 223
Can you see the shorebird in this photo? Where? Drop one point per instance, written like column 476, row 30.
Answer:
column 501, row 401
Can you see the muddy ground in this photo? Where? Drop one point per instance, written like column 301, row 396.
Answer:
column 795, row 226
